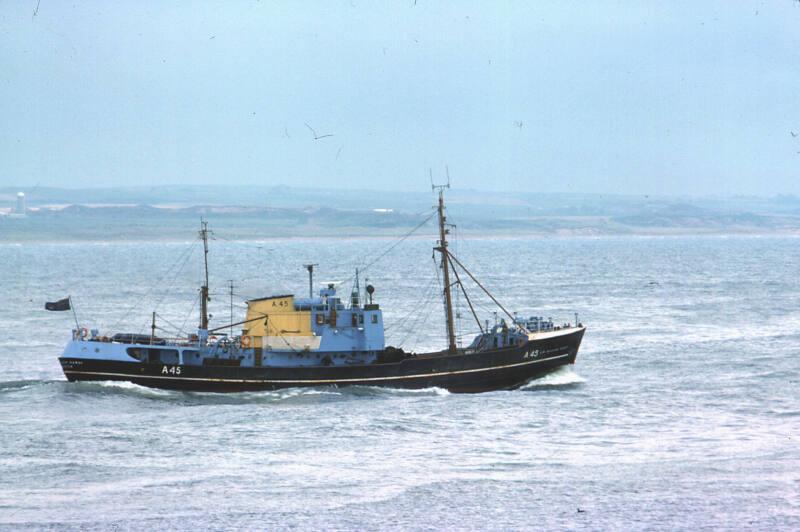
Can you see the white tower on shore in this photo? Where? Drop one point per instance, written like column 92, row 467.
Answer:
column 21, row 207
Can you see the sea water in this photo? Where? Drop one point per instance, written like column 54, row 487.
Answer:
column 682, row 411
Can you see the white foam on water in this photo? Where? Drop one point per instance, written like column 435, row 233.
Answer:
column 561, row 377
column 265, row 396
column 312, row 394
column 398, row 392
column 291, row 393
column 125, row 386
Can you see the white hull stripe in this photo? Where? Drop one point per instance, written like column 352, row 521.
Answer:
column 315, row 381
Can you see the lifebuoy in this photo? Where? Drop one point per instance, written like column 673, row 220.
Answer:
column 84, row 333
column 245, row 341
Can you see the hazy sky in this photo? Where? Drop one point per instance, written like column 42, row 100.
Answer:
column 695, row 97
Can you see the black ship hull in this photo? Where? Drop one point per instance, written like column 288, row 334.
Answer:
column 498, row 369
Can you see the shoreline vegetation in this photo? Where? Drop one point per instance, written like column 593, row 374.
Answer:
column 264, row 213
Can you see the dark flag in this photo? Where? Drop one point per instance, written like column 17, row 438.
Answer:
column 61, row 304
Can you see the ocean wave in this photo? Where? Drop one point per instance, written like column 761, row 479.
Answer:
column 561, row 377
column 363, row 391
column 9, row 386
column 786, row 413
column 311, row 395
column 283, row 396
column 558, row 378
column 123, row 388
column 129, row 387
column 98, row 387
column 287, row 395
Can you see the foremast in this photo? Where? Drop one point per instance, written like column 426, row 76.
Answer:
column 442, row 248
column 204, row 289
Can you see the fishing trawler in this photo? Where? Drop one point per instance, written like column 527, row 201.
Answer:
column 323, row 340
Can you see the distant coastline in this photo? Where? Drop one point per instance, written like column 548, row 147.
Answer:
column 172, row 213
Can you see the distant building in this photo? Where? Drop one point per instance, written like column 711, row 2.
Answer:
column 21, row 207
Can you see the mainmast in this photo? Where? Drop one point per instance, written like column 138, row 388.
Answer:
column 204, row 289
column 442, row 248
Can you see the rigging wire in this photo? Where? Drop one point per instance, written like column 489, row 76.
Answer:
column 191, row 311
column 457, row 298
column 466, row 296
column 399, row 324
column 174, row 278
column 363, row 269
column 139, row 300
column 175, row 328
column 413, row 330
column 172, row 283
column 429, row 297
column 425, row 293
column 485, row 290
column 439, row 266
column 419, row 329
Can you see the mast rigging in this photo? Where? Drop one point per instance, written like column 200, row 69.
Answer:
column 485, row 290
column 466, row 296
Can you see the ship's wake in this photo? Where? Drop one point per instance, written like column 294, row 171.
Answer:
column 314, row 395
column 560, row 378
column 289, row 395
